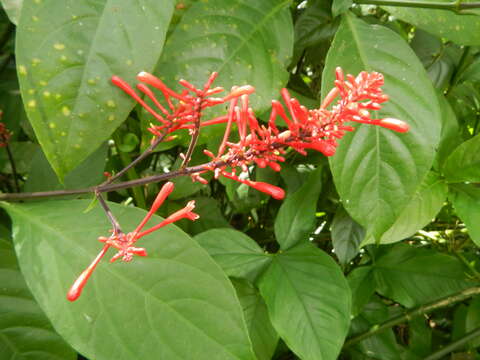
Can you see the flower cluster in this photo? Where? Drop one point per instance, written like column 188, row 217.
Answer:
column 124, row 243
column 264, row 145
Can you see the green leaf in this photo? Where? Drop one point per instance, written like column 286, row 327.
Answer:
column 466, row 201
column 362, row 284
column 463, row 164
column 462, row 29
column 414, row 276
column 178, row 286
column 308, row 300
column 12, row 8
column 245, row 41
column 340, row 6
column 24, row 328
column 237, row 254
column 210, row 216
column 375, row 170
column 263, row 335
column 296, row 218
column 66, row 56
column 346, row 236
column 420, row 210
column 22, row 155
column 41, row 176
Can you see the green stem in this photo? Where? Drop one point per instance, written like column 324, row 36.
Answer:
column 423, row 309
column 455, row 6
column 131, row 173
column 454, row 345
column 469, row 265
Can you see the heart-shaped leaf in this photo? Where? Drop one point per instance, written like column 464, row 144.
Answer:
column 149, row 308
column 24, row 328
column 308, row 300
column 376, row 171
column 66, row 54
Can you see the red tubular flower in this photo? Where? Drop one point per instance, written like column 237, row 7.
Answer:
column 124, row 242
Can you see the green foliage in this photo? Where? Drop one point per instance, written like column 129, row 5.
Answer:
column 388, row 225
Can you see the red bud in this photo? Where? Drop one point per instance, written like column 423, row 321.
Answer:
column 272, row 190
column 394, row 124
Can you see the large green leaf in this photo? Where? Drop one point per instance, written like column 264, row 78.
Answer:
column 66, row 54
column 376, row 170
column 464, row 163
column 263, row 335
column 146, row 309
column 237, row 254
column 420, row 210
column 296, row 217
column 413, row 276
column 308, row 300
column 25, row 332
column 12, row 8
column 245, row 41
column 466, row 201
column 462, row 29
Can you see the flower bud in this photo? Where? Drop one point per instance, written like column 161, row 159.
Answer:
column 394, row 124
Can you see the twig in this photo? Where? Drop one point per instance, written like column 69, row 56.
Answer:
column 454, row 345
column 109, row 187
column 14, row 168
column 142, row 156
column 196, row 132
column 423, row 309
column 113, row 220
column 455, row 6
column 131, row 172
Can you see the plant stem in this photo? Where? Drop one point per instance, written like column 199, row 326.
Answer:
column 196, row 132
column 142, row 156
column 454, row 345
column 131, row 172
column 455, row 6
column 108, row 187
column 422, row 309
column 470, row 266
column 108, row 212
column 14, row 168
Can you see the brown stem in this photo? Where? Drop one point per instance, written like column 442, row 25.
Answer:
column 109, row 187
column 14, row 168
column 423, row 309
column 113, row 220
column 142, row 156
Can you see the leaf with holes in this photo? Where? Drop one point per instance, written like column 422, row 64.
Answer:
column 178, row 286
column 376, row 171
column 24, row 328
column 308, row 300
column 66, row 55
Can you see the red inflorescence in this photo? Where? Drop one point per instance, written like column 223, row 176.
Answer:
column 264, row 145
column 124, row 243
column 4, row 134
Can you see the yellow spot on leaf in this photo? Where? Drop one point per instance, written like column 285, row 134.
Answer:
column 22, row 70
column 32, row 104
column 59, row 46
column 66, row 111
